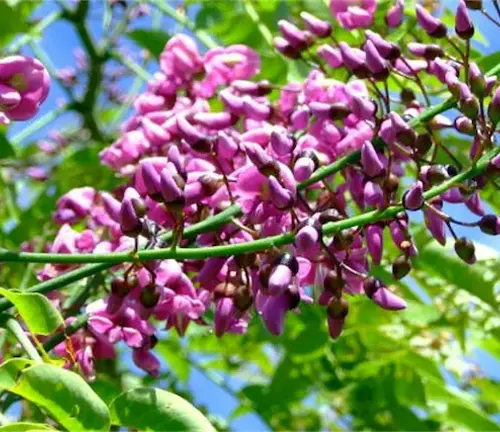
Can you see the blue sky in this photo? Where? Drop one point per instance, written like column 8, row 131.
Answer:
column 59, row 40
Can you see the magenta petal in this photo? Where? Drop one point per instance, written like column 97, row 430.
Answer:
column 388, row 300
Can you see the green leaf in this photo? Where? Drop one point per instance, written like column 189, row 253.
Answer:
column 39, row 314
column 470, row 419
column 25, row 427
column 488, row 62
column 443, row 262
column 14, row 18
column 63, row 394
column 155, row 409
column 6, row 149
column 153, row 40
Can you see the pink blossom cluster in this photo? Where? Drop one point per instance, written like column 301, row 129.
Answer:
column 183, row 161
column 24, row 85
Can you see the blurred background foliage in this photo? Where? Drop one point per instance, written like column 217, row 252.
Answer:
column 433, row 367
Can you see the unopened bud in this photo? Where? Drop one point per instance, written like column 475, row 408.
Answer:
column 463, row 22
column 338, row 308
column 465, row 250
column 334, row 283
column 243, row 298
column 149, row 296
column 490, row 224
column 401, row 267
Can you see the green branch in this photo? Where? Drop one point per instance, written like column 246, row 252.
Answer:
column 34, row 32
column 239, row 248
column 15, row 328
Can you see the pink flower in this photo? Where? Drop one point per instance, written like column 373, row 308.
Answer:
column 224, row 65
column 74, row 205
column 24, row 85
column 181, row 58
column 352, row 14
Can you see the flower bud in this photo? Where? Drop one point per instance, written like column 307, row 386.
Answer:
column 297, row 38
column 149, row 296
column 151, row 180
column 413, row 198
column 375, row 242
column 119, row 287
column 284, row 48
column 474, row 4
column 338, row 308
column 401, row 267
column 465, row 125
column 375, row 62
column 342, row 240
column 370, row 160
column 281, row 144
column 490, row 224
column 394, row 16
column 130, row 210
column 494, row 107
column 331, row 55
column 316, row 26
column 423, row 143
column 463, row 22
column 243, row 298
column 382, row 296
column 469, row 106
column 465, row 250
column 308, row 237
column 355, row 60
column 388, row 50
column 334, row 283
column 330, row 215
column 171, row 192
column 306, row 163
column 433, row 26
column 281, row 197
column 477, row 81
column 281, row 276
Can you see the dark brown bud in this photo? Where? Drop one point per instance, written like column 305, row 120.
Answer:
column 433, row 51
column 407, row 95
column 343, row 239
column 243, row 298
column 119, row 287
column 224, row 289
column 264, row 274
column 407, row 137
column 334, row 283
column 270, row 169
column 439, row 32
column 210, row 184
column 474, row 4
column 288, row 260
column 149, row 296
column 391, row 183
column 339, row 111
column 490, row 224
column 371, row 286
column 245, row 260
column 465, row 250
column 294, row 298
column 330, row 215
column 401, row 267
column 338, row 308
column 437, row 174
column 423, row 143
column 203, row 145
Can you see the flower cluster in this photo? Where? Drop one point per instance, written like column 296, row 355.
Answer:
column 184, row 162
column 24, row 85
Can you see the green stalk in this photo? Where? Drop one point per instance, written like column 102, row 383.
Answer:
column 38, row 124
column 79, row 323
column 133, row 66
column 367, row 218
column 34, row 32
column 15, row 328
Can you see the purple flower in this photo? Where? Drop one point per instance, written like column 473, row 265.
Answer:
column 352, row 14
column 394, row 16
